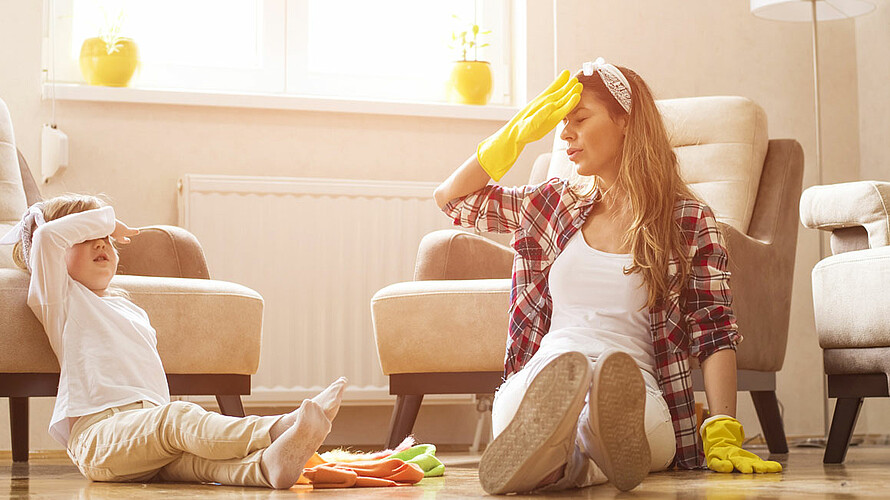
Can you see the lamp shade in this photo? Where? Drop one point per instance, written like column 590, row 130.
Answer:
column 802, row 10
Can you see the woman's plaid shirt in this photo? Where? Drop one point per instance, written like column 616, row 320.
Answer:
column 693, row 320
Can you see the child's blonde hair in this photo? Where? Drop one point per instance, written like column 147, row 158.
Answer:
column 56, row 208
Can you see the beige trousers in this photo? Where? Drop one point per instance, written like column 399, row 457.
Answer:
column 178, row 441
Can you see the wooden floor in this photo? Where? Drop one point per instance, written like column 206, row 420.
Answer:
column 866, row 473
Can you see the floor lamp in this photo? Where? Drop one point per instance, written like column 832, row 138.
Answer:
column 813, row 11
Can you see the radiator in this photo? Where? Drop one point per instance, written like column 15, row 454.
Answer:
column 316, row 250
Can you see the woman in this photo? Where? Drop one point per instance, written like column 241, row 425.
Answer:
column 620, row 276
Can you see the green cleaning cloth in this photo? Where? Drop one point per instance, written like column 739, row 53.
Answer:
column 423, row 455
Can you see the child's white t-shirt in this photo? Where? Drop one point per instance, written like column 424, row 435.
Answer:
column 106, row 346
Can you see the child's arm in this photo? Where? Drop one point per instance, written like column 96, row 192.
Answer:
column 48, row 291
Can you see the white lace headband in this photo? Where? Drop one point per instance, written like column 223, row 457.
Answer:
column 22, row 232
column 613, row 78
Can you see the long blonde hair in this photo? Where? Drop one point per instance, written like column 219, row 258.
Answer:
column 649, row 177
column 56, row 208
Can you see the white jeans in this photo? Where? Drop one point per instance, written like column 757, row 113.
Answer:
column 581, row 470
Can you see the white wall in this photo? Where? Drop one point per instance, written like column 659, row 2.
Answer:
column 135, row 152
column 873, row 42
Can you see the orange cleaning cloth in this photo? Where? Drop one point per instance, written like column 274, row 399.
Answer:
column 315, row 460
column 367, row 473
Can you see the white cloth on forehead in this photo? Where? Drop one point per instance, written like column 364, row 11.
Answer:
column 23, row 230
column 613, row 78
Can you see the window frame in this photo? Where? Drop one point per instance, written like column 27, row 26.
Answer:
column 529, row 21
column 268, row 77
column 284, row 58
column 495, row 15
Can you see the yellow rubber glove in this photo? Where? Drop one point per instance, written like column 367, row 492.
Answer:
column 499, row 152
column 722, row 437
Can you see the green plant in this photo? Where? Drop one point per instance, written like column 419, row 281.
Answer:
column 467, row 39
column 110, row 31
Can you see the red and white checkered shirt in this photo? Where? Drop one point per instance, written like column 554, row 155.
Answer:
column 693, row 320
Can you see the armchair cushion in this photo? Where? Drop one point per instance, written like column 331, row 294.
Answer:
column 427, row 326
column 850, row 299
column 852, row 204
column 866, row 360
column 720, row 143
column 203, row 326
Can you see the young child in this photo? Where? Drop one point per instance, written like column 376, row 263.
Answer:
column 113, row 410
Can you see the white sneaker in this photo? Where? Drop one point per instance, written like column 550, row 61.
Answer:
column 617, row 417
column 539, row 439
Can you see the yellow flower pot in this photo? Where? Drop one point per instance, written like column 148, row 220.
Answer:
column 99, row 67
column 470, row 82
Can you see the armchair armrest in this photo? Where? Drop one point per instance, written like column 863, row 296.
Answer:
column 838, row 207
column 441, row 326
column 761, row 280
column 451, row 254
column 166, row 251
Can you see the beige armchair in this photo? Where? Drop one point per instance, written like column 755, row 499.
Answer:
column 446, row 332
column 851, row 298
column 208, row 331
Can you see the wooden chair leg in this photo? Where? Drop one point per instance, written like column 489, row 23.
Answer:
column 230, row 405
column 846, row 412
column 18, row 426
column 767, row 407
column 403, row 417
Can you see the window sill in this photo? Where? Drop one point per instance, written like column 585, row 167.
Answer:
column 75, row 92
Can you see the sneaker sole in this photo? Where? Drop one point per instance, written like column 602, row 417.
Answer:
column 621, row 412
column 547, row 415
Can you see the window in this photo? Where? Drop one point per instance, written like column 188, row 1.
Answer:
column 385, row 49
column 396, row 49
column 190, row 44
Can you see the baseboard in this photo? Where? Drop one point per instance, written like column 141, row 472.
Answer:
column 6, row 455
column 267, row 398
column 864, row 439
column 857, row 439
column 39, row 454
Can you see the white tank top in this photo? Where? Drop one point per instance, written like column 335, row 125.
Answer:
column 597, row 307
